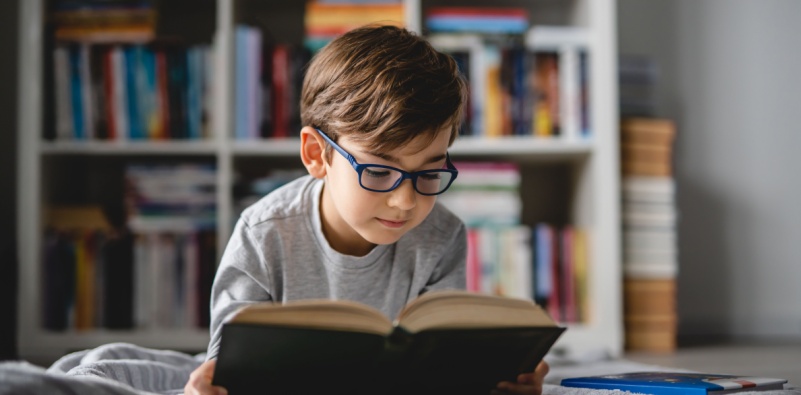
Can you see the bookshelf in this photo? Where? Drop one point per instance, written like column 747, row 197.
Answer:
column 573, row 180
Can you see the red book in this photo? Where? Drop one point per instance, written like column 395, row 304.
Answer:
column 281, row 88
column 108, row 91
column 473, row 269
column 162, row 92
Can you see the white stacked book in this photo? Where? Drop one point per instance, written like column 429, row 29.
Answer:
column 649, row 227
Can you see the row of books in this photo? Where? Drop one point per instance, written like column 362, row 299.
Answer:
column 171, row 197
column 267, row 87
column 131, row 92
column 547, row 264
column 119, row 280
column 532, row 85
column 325, row 20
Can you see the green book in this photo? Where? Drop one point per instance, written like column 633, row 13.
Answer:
column 441, row 343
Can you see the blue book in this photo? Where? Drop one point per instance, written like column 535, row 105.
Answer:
column 194, row 60
column 675, row 383
column 133, row 66
column 241, row 94
column 76, row 94
column 480, row 24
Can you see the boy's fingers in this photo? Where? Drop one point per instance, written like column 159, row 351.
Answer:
column 542, row 369
column 506, row 387
column 201, row 387
column 200, row 381
column 527, row 383
column 526, row 378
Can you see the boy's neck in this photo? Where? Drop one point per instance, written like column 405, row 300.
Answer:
column 353, row 245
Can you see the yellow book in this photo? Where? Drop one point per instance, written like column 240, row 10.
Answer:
column 493, row 105
column 580, row 271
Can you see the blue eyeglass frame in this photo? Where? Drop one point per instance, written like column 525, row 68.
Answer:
column 450, row 168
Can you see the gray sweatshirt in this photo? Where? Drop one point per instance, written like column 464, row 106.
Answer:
column 278, row 252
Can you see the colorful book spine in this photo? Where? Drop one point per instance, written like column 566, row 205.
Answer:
column 485, row 20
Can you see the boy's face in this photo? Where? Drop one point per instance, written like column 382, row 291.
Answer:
column 355, row 219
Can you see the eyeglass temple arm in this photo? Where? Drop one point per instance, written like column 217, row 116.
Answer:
column 339, row 149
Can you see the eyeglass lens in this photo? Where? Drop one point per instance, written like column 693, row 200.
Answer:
column 383, row 179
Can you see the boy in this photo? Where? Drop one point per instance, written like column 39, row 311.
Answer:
column 381, row 107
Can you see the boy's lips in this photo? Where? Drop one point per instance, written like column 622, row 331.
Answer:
column 392, row 224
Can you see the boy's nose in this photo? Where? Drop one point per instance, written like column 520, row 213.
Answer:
column 404, row 196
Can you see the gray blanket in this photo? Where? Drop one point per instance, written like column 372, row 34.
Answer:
column 126, row 369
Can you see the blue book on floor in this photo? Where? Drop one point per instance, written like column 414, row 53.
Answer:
column 675, row 383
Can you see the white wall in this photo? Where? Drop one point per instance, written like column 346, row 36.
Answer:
column 731, row 78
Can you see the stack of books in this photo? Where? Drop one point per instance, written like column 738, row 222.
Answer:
column 649, row 234
column 637, row 77
column 172, row 198
column 326, row 19
column 496, row 20
column 104, row 21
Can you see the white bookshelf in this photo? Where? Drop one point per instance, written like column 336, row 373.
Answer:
column 594, row 163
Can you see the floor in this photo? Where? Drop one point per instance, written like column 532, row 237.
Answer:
column 750, row 359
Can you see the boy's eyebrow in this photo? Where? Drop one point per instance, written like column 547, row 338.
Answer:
column 387, row 157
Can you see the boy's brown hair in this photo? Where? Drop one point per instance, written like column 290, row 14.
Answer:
column 382, row 86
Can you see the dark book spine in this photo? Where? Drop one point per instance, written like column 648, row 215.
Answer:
column 176, row 65
column 118, row 275
column 208, row 258
column 59, row 281
column 97, row 91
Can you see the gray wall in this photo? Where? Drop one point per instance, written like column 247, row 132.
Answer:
column 731, row 78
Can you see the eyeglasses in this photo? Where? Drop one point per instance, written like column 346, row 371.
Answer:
column 380, row 178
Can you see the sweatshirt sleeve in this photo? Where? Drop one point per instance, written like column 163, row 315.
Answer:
column 242, row 279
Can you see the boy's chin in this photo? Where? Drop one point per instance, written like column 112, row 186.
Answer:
column 383, row 237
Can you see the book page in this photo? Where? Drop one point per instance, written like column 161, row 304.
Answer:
column 316, row 314
column 459, row 309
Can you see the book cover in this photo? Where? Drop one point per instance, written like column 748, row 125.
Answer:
column 675, row 383
column 443, row 342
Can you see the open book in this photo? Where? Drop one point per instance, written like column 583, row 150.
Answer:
column 442, row 342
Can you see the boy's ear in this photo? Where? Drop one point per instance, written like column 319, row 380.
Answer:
column 312, row 149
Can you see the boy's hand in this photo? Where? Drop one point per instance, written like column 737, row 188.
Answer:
column 200, row 381
column 527, row 383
